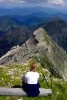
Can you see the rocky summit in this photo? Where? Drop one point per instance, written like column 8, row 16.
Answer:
column 44, row 49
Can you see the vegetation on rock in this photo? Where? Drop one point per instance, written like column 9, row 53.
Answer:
column 12, row 76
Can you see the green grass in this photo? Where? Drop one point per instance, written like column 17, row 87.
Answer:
column 12, row 75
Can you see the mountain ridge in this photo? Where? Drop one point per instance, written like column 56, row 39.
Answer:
column 45, row 49
column 57, row 29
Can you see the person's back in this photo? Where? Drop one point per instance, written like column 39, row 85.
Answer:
column 31, row 85
column 32, row 77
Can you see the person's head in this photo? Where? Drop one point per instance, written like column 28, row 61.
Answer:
column 32, row 67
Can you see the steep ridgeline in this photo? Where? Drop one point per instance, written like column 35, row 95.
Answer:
column 12, row 32
column 44, row 49
column 57, row 29
column 12, row 37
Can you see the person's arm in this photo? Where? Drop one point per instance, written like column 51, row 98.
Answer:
column 38, row 81
column 24, row 79
column 38, row 75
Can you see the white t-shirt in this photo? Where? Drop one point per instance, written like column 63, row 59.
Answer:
column 32, row 77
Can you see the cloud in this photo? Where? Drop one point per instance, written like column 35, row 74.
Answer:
column 56, row 2
column 1, row 0
column 19, row 1
column 47, row 2
column 12, row 1
column 36, row 2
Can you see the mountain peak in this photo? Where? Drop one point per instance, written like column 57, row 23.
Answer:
column 45, row 49
column 56, row 19
column 39, row 34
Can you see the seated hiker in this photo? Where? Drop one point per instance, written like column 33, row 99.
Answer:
column 30, row 82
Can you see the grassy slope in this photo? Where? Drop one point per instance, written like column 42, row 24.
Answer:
column 12, row 75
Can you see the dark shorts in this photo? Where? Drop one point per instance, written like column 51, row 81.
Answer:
column 32, row 90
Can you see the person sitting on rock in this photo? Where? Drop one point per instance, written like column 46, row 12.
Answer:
column 30, row 82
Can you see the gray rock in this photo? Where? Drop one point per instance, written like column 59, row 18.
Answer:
column 45, row 49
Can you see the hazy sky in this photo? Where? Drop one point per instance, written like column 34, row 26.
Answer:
column 23, row 3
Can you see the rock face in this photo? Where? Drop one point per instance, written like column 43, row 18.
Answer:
column 44, row 49
column 57, row 29
column 51, row 54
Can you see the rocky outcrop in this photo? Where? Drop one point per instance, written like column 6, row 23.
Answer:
column 57, row 29
column 51, row 55
column 41, row 46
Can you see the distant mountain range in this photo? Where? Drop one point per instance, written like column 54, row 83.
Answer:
column 12, row 33
column 39, row 12
column 18, row 24
column 43, row 49
column 26, row 11
column 18, row 43
column 7, row 21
